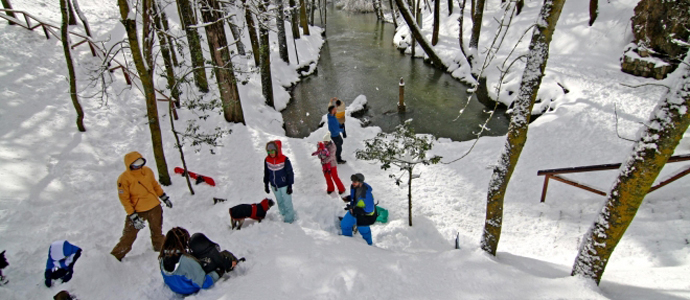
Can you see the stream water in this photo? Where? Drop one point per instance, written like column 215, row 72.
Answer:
column 358, row 58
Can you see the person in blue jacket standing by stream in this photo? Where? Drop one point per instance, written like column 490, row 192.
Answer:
column 361, row 209
column 278, row 172
column 335, row 130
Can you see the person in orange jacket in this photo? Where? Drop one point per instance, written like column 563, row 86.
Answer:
column 139, row 192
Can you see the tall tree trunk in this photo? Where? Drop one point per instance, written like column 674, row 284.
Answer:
column 409, row 195
column 393, row 15
column 165, row 51
column 7, row 5
column 70, row 65
column 450, row 7
column 251, row 28
column 477, row 16
column 189, row 20
column 280, row 24
column 179, row 148
column 311, row 12
column 166, row 29
column 437, row 18
column 265, row 52
column 145, row 70
column 237, row 36
column 517, row 131
column 656, row 144
column 303, row 17
column 72, row 18
column 402, row 7
column 593, row 11
column 220, row 54
column 294, row 19
column 461, row 20
column 85, row 22
column 413, row 6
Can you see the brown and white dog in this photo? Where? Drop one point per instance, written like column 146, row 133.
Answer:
column 256, row 211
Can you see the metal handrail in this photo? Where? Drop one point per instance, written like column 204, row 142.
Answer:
column 555, row 175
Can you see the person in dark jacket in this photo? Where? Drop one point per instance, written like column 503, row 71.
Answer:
column 335, row 130
column 361, row 209
column 182, row 272
column 61, row 259
column 278, row 172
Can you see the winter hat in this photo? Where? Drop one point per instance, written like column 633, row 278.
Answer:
column 357, row 177
column 327, row 138
column 271, row 146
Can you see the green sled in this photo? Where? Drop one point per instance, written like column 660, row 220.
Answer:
column 383, row 214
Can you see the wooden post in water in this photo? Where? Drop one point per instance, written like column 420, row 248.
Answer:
column 401, row 97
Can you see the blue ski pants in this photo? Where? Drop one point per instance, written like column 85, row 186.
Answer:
column 349, row 221
column 284, row 203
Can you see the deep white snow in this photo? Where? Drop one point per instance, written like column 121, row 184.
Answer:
column 57, row 183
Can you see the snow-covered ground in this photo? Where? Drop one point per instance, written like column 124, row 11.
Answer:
column 57, row 183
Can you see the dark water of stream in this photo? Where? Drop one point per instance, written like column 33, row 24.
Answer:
column 358, row 58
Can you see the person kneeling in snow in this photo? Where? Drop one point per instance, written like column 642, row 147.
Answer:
column 184, row 273
column 61, row 259
column 361, row 209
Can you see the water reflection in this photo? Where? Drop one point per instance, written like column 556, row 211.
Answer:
column 358, row 58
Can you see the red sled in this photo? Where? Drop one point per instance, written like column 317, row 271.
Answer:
column 198, row 177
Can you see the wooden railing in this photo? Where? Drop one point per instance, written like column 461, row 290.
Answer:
column 555, row 175
column 50, row 29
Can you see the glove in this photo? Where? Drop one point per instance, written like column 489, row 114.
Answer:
column 347, row 198
column 289, row 190
column 67, row 276
column 166, row 200
column 137, row 221
column 48, row 283
column 266, row 189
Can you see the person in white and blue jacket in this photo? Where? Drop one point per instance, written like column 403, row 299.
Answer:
column 61, row 259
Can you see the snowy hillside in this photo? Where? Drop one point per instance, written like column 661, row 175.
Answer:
column 57, row 183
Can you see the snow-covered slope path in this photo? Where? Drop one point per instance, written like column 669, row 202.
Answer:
column 56, row 183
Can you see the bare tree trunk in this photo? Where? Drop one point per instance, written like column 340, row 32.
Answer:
column 70, row 65
column 237, row 36
column 220, row 54
column 189, row 20
column 249, row 19
column 409, row 195
column 166, row 29
column 85, row 22
column 519, row 5
column 303, row 17
column 414, row 17
column 477, row 16
column 311, row 12
column 437, row 19
column 519, row 121
column 280, row 24
column 593, row 11
column 294, row 19
column 450, row 7
column 72, row 18
column 265, row 53
column 165, row 51
column 461, row 20
column 656, row 144
column 7, row 5
column 402, row 7
column 179, row 148
column 145, row 70
column 393, row 15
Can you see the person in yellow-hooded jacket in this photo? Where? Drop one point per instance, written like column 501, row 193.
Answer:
column 139, row 192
